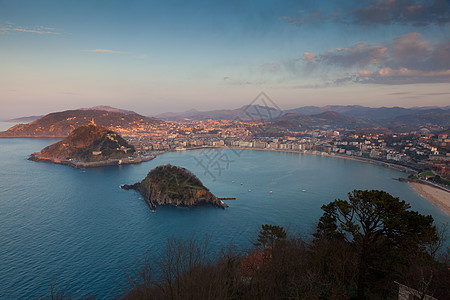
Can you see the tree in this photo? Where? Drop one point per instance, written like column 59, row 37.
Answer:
column 269, row 235
column 375, row 222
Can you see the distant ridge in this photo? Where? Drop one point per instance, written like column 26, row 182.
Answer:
column 378, row 113
column 325, row 119
column 343, row 116
column 60, row 124
column 24, row 119
column 356, row 111
column 29, row 119
column 244, row 113
column 110, row 109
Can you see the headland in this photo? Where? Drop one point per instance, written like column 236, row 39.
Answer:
column 90, row 146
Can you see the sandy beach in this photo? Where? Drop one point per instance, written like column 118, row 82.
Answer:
column 439, row 197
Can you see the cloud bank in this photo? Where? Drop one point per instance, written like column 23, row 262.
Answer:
column 407, row 59
column 407, row 12
column 11, row 28
column 381, row 12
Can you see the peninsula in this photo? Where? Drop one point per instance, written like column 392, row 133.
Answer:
column 89, row 146
column 176, row 186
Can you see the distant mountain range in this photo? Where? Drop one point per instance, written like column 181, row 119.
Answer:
column 325, row 119
column 24, row 120
column 244, row 113
column 254, row 110
column 368, row 113
column 60, row 124
column 110, row 109
column 344, row 116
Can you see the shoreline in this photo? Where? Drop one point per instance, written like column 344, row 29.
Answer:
column 437, row 196
column 400, row 168
column 80, row 164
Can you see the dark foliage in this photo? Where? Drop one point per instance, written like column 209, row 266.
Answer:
column 386, row 237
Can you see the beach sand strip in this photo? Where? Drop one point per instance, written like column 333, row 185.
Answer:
column 439, row 197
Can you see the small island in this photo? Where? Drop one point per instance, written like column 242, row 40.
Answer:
column 89, row 146
column 176, row 186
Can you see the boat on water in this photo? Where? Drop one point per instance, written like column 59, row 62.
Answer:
column 270, row 192
column 249, row 190
column 303, row 190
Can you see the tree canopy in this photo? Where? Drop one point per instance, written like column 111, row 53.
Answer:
column 269, row 235
column 376, row 224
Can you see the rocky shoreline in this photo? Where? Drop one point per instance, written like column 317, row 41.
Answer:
column 153, row 203
column 82, row 164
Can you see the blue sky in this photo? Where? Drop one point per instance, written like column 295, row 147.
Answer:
column 156, row 56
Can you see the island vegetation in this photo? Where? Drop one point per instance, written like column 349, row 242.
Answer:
column 176, row 186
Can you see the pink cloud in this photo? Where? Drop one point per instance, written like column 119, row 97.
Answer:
column 364, row 73
column 408, row 59
column 309, row 56
column 360, row 54
column 405, row 72
column 410, row 47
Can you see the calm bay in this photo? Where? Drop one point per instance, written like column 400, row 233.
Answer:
column 78, row 226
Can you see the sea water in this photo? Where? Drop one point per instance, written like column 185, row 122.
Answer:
column 77, row 226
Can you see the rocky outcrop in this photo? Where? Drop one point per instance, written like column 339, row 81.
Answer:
column 172, row 185
column 88, row 146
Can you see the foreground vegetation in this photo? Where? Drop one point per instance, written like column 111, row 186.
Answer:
column 361, row 248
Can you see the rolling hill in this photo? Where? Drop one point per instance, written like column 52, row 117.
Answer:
column 60, row 124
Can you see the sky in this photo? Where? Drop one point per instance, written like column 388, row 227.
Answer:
column 172, row 55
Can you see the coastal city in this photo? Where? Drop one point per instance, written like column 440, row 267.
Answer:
column 416, row 150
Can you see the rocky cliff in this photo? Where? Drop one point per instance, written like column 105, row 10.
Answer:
column 88, row 143
column 172, row 185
